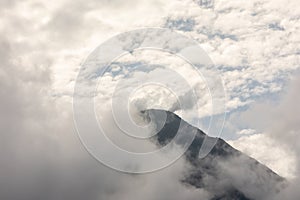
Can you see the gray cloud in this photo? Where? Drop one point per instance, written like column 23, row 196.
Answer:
column 41, row 157
column 279, row 121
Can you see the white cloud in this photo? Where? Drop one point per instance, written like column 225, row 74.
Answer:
column 255, row 44
column 269, row 152
column 247, row 132
column 278, row 147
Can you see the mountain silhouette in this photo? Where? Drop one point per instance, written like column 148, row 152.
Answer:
column 225, row 172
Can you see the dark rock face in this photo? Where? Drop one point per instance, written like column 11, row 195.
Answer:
column 232, row 195
column 225, row 172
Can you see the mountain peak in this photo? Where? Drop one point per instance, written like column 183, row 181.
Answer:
column 243, row 173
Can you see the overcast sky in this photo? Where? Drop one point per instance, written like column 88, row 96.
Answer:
column 254, row 45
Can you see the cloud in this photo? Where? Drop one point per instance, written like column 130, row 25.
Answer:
column 43, row 158
column 277, row 146
column 254, row 44
column 247, row 132
column 255, row 59
column 269, row 152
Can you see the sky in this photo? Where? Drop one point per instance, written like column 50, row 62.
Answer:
column 254, row 46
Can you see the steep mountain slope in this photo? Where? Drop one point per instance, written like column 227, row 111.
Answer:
column 225, row 172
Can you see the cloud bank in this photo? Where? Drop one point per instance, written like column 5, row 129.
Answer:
column 255, row 44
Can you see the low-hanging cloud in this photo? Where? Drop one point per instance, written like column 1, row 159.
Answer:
column 42, row 157
column 42, row 44
column 279, row 124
